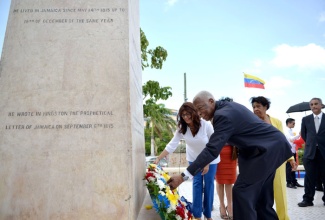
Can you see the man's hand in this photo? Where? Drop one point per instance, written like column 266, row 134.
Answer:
column 175, row 181
column 205, row 169
column 294, row 165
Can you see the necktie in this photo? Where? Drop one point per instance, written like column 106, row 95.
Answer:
column 316, row 123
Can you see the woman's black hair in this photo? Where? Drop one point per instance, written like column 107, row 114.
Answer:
column 261, row 100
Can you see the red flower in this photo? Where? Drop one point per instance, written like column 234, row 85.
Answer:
column 149, row 175
column 180, row 211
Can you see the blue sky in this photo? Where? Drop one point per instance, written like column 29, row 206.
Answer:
column 215, row 41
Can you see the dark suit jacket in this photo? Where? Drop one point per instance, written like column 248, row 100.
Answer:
column 308, row 133
column 262, row 147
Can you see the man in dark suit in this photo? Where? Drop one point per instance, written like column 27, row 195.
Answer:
column 262, row 149
column 313, row 133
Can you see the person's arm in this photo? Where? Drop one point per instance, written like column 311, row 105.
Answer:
column 303, row 129
column 205, row 170
column 291, row 138
column 162, row 155
column 293, row 164
column 170, row 147
column 209, row 129
column 294, row 137
column 223, row 129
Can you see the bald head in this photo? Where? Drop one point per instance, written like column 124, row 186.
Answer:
column 203, row 95
column 204, row 103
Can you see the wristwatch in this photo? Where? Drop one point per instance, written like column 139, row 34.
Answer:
column 184, row 176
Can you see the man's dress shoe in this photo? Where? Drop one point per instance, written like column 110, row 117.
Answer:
column 290, row 185
column 305, row 204
column 298, row 185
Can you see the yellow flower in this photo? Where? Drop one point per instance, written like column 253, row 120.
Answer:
column 172, row 197
column 166, row 176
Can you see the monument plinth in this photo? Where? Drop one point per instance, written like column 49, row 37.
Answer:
column 71, row 135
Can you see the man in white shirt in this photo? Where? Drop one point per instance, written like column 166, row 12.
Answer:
column 291, row 137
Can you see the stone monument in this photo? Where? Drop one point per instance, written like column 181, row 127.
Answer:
column 71, row 136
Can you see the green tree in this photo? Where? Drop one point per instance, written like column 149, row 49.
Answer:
column 156, row 56
column 153, row 91
column 158, row 117
column 160, row 143
column 163, row 141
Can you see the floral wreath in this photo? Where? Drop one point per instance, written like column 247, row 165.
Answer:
column 167, row 202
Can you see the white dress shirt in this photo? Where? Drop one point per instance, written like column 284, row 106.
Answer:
column 291, row 138
column 319, row 117
column 194, row 145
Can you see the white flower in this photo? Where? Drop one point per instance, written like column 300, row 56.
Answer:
column 157, row 175
column 172, row 206
column 161, row 184
column 178, row 217
column 170, row 209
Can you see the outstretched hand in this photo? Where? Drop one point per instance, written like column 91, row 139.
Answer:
column 156, row 161
column 175, row 181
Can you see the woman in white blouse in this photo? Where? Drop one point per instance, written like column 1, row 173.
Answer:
column 196, row 137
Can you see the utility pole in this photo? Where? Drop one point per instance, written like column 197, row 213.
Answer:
column 185, row 95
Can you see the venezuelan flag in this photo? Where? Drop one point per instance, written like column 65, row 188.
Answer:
column 253, row 81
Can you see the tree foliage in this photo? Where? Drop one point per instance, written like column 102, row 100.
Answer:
column 156, row 56
column 160, row 142
column 159, row 123
column 155, row 92
column 158, row 117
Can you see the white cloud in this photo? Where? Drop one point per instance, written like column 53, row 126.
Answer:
column 171, row 2
column 310, row 56
column 278, row 82
column 257, row 63
column 322, row 17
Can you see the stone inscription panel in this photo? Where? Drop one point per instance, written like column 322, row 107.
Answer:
column 103, row 15
column 107, row 114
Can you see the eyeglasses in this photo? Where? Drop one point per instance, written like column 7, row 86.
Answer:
column 186, row 115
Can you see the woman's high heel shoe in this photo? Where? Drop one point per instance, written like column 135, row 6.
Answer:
column 223, row 216
column 229, row 216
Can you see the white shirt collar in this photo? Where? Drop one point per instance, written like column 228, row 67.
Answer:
column 319, row 116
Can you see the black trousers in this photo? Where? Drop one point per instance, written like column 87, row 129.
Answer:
column 291, row 175
column 319, row 183
column 254, row 201
column 312, row 167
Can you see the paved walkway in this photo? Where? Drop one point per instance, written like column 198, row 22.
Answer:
column 294, row 196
